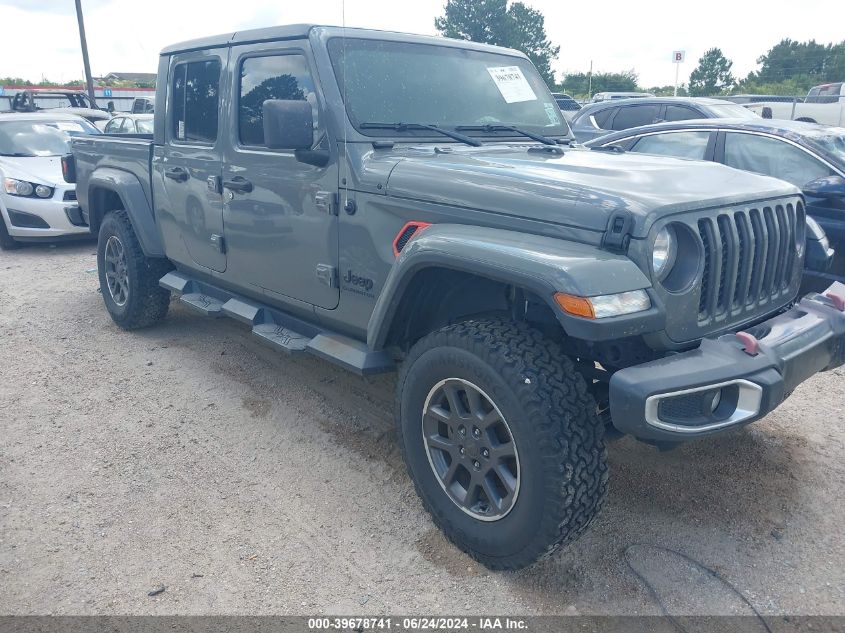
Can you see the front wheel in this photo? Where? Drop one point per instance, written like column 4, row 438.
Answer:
column 128, row 278
column 502, row 440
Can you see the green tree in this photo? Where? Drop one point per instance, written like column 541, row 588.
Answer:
column 494, row 22
column 713, row 74
column 792, row 67
column 669, row 91
column 578, row 84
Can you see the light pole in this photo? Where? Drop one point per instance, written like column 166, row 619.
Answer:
column 88, row 79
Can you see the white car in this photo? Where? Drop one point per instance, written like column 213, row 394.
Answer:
column 36, row 203
column 824, row 104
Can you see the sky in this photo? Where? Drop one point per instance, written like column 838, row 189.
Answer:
column 39, row 38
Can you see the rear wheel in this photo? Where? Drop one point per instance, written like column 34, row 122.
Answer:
column 7, row 242
column 128, row 278
column 502, row 440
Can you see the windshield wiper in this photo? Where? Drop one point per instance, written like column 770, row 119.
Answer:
column 402, row 127
column 545, row 140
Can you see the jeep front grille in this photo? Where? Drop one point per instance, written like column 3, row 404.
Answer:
column 749, row 258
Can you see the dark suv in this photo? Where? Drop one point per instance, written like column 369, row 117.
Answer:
column 597, row 119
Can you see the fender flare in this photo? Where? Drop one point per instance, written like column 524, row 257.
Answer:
column 540, row 264
column 129, row 189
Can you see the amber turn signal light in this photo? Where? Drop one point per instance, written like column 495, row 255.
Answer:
column 577, row 306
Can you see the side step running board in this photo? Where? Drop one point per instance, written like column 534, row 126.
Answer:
column 276, row 328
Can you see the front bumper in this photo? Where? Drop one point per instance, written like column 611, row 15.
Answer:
column 732, row 380
column 37, row 218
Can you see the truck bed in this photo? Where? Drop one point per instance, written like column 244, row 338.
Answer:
column 125, row 153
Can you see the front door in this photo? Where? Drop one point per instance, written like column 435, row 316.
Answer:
column 280, row 213
column 188, row 167
column 782, row 159
column 830, row 214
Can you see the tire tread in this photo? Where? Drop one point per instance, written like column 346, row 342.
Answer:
column 564, row 414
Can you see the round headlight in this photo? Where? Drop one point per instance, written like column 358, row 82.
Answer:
column 17, row 187
column 43, row 191
column 663, row 255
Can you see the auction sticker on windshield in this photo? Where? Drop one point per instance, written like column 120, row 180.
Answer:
column 512, row 84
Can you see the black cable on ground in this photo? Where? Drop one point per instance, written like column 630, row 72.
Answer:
column 711, row 572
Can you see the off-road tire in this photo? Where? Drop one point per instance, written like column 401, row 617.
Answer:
column 146, row 302
column 7, row 242
column 554, row 424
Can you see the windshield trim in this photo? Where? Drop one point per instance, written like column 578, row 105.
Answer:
column 424, row 135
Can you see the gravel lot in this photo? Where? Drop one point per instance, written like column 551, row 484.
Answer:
column 245, row 482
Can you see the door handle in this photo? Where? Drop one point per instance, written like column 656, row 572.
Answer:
column 176, row 173
column 239, row 184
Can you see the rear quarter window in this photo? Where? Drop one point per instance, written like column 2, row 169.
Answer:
column 603, row 117
column 635, row 116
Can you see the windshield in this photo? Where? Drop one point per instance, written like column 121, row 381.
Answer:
column 398, row 82
column 830, row 140
column 41, row 138
column 145, row 126
column 731, row 111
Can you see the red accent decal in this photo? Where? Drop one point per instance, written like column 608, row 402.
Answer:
column 418, row 227
column 838, row 300
column 752, row 345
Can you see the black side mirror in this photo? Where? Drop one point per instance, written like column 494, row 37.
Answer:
column 288, row 124
column 766, row 112
column 826, row 187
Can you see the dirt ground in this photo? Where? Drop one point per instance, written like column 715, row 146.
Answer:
column 244, row 481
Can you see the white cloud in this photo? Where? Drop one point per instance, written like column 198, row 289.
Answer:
column 40, row 37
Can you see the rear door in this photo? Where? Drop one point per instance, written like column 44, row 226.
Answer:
column 190, row 162
column 280, row 213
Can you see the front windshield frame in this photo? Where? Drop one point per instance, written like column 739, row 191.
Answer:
column 338, row 46
column 52, row 139
column 831, row 141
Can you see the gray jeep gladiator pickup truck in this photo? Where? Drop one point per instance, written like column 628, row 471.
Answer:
column 389, row 201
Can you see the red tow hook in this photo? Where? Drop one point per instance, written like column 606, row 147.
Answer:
column 752, row 345
column 837, row 299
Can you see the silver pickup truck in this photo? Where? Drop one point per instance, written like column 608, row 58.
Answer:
column 395, row 202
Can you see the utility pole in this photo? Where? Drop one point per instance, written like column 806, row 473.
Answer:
column 88, row 79
column 590, row 85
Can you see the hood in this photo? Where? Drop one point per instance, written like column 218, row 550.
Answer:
column 42, row 170
column 579, row 188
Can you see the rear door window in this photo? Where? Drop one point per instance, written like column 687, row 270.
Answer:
column 681, row 144
column 824, row 94
column 681, row 113
column 195, row 94
column 635, row 116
